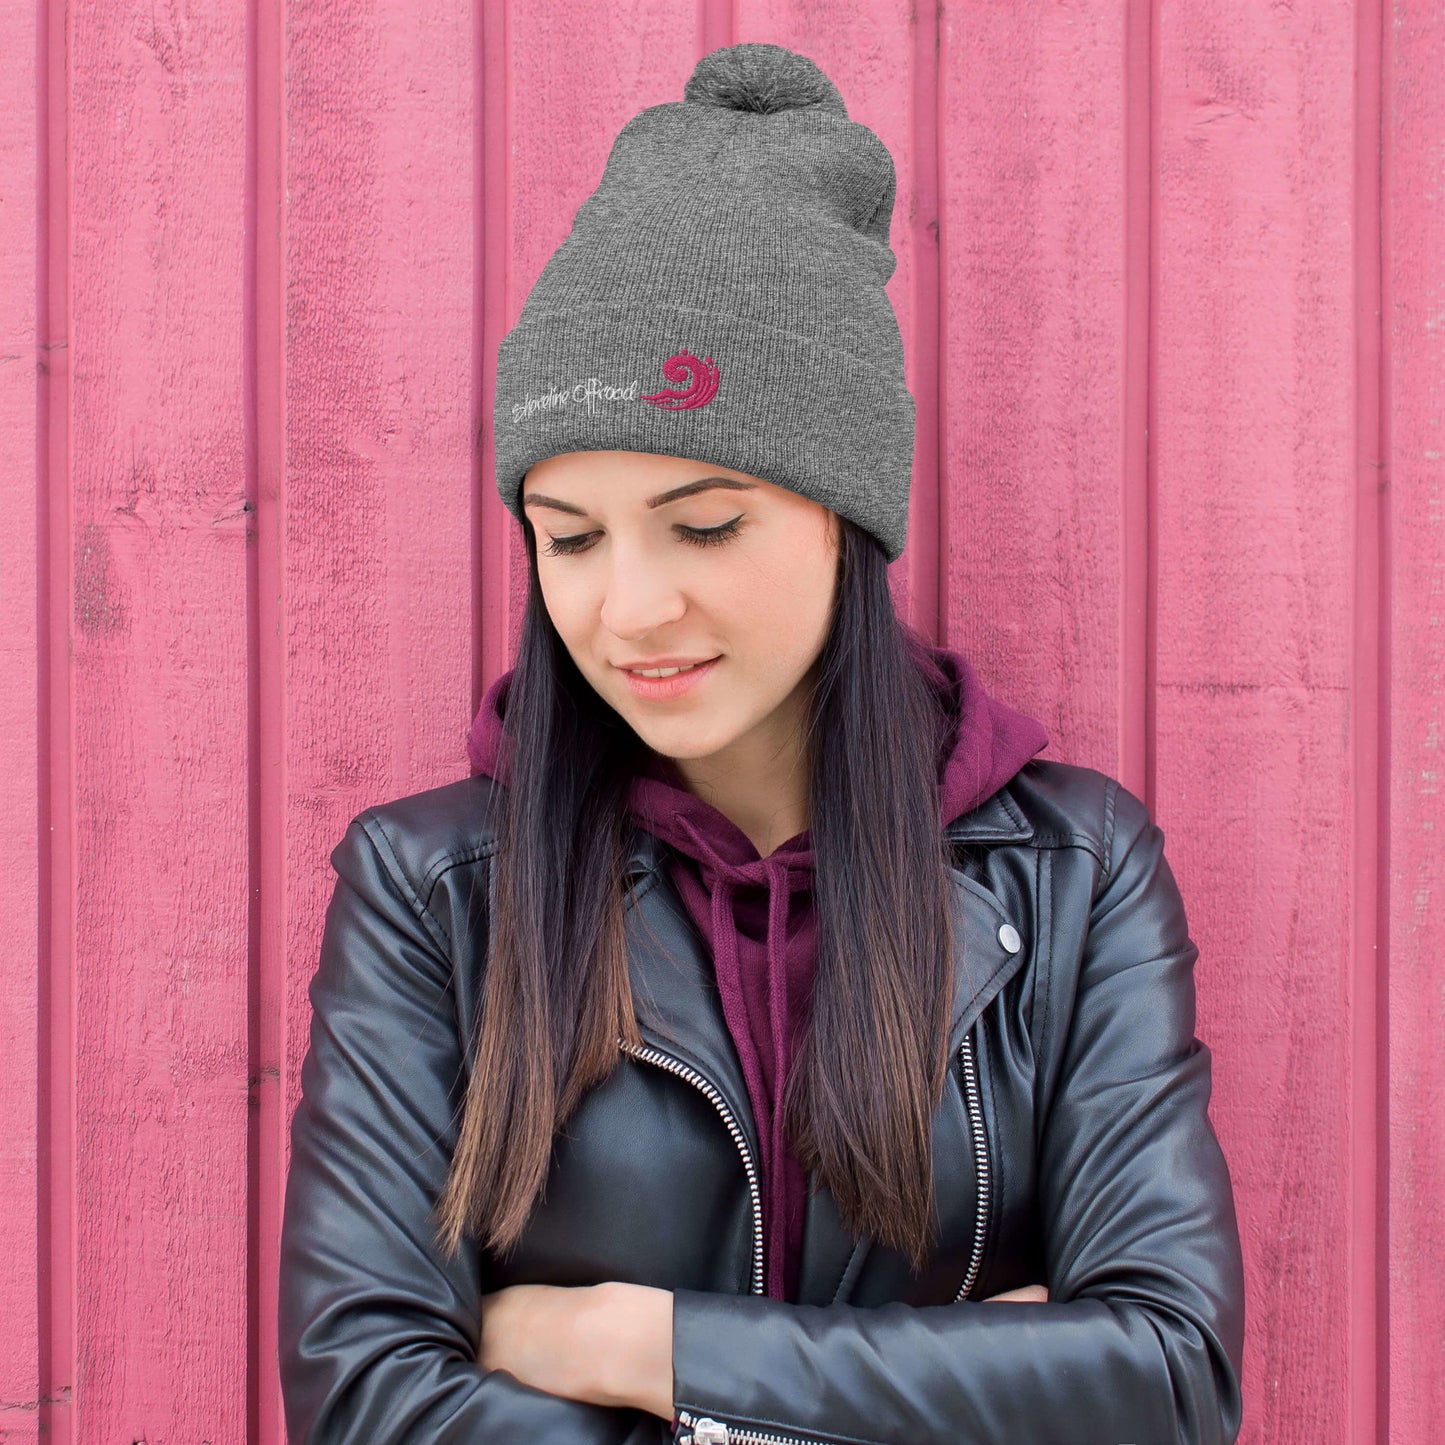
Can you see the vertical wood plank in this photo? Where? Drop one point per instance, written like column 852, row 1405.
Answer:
column 1414, row 221
column 1367, row 1205
column 1255, row 487
column 268, row 1017
column 20, row 707
column 883, row 63
column 496, row 541
column 563, row 75
column 157, row 659
column 1031, row 356
column 55, row 1080
column 374, row 520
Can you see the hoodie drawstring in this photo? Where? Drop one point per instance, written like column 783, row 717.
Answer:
column 778, row 901
column 772, row 874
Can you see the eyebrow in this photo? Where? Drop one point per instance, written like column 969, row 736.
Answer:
column 688, row 489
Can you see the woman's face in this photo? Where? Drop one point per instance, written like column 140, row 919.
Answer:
column 653, row 561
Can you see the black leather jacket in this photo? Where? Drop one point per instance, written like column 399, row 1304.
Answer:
column 1072, row 1149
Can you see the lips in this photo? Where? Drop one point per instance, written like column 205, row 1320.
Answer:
column 665, row 669
column 677, row 681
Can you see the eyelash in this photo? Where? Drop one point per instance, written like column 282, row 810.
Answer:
column 698, row 536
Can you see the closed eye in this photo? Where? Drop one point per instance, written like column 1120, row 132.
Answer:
column 697, row 536
column 711, row 536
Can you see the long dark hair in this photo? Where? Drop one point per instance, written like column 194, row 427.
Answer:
column 859, row 1102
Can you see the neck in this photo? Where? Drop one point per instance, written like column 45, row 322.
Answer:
column 758, row 782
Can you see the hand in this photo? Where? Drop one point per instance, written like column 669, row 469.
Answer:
column 1035, row 1293
column 540, row 1334
column 606, row 1344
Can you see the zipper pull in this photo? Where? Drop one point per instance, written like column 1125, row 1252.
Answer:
column 705, row 1431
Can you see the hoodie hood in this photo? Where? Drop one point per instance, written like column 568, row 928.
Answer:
column 757, row 913
column 987, row 743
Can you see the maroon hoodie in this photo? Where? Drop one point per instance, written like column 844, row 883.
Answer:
column 758, row 916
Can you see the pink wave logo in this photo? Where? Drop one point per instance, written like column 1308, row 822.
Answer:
column 698, row 380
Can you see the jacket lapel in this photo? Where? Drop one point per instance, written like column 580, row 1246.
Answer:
column 680, row 1013
column 833, row 1260
column 982, row 964
column 674, row 987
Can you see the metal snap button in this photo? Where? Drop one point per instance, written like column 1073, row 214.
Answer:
column 1008, row 935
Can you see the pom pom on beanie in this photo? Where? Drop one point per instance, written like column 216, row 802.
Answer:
column 761, row 78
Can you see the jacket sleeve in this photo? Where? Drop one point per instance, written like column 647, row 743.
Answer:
column 1142, row 1335
column 378, row 1330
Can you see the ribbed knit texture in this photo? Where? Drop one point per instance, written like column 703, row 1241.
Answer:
column 720, row 297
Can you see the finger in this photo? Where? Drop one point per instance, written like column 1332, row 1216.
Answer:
column 1031, row 1293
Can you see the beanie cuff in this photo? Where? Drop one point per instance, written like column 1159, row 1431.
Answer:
column 743, row 394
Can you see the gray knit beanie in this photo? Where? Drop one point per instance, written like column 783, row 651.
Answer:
column 720, row 297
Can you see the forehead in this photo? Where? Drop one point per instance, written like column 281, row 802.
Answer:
column 615, row 469
column 581, row 482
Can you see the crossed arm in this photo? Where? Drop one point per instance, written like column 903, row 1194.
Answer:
column 606, row 1344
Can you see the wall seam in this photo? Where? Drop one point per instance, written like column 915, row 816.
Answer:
column 1138, row 552
column 263, row 386
column 1384, row 612
column 1369, row 733
column 55, row 1122
column 929, row 611
column 492, row 271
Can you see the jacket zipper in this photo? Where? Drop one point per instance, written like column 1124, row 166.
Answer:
column 703, row 1429
column 675, row 1066
column 980, row 1159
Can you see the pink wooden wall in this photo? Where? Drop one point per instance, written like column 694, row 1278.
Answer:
column 1171, row 278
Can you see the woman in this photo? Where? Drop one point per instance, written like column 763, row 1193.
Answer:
column 764, row 1002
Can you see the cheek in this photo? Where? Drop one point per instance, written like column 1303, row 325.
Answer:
column 780, row 604
column 567, row 605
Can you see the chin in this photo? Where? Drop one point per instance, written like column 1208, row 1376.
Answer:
column 683, row 739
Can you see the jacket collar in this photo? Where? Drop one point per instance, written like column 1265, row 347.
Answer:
column 678, row 1007
column 996, row 820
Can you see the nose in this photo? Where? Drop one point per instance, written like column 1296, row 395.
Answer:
column 640, row 597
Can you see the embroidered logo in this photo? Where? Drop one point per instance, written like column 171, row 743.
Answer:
column 698, row 381
column 701, row 378
column 591, row 393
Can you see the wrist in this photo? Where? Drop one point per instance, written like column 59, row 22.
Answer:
column 630, row 1327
